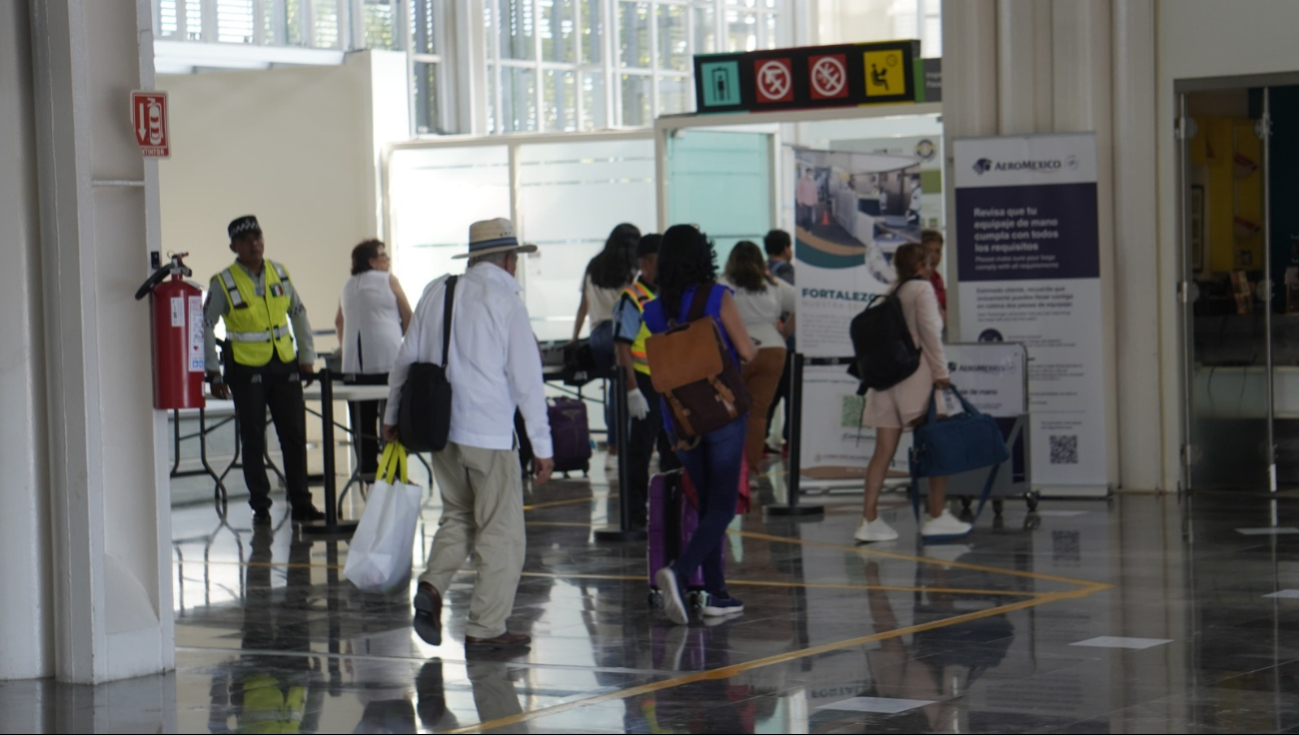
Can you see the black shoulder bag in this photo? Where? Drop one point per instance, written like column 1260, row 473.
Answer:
column 424, row 418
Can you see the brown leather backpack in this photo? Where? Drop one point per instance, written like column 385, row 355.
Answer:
column 694, row 371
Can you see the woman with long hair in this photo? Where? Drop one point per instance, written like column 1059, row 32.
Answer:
column 906, row 404
column 373, row 314
column 761, row 299
column 607, row 274
column 687, row 270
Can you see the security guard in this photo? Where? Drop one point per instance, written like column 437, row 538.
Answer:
column 629, row 334
column 258, row 301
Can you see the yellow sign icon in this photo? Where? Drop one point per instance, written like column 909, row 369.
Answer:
column 885, row 73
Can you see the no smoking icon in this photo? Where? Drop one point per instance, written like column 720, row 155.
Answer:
column 774, row 79
column 829, row 76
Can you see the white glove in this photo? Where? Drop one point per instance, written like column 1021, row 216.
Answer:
column 637, row 405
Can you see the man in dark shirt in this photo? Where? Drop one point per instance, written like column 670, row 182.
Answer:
column 780, row 261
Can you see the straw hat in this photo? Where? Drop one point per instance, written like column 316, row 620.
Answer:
column 494, row 236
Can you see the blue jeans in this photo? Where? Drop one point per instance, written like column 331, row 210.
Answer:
column 602, row 353
column 714, row 468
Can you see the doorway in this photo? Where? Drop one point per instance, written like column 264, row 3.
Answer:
column 1239, row 149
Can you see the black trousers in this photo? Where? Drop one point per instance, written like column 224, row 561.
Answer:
column 366, row 416
column 278, row 387
column 645, row 433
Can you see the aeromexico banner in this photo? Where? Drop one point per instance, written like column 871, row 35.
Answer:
column 1028, row 262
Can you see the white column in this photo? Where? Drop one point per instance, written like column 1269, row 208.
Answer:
column 1136, row 238
column 26, row 636
column 969, row 102
column 1023, row 66
column 1081, row 71
column 111, row 525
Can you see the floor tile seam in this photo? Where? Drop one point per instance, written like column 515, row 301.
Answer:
column 1082, row 583
column 638, row 578
column 735, row 669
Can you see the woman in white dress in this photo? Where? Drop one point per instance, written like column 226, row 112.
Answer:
column 373, row 314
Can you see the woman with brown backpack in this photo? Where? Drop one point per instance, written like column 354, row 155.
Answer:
column 710, row 445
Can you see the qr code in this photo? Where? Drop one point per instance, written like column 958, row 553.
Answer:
column 1064, row 449
column 850, row 411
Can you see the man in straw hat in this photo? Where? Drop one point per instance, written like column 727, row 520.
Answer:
column 494, row 366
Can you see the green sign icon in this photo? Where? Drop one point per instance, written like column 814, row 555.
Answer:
column 721, row 80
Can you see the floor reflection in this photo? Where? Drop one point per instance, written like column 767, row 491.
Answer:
column 835, row 638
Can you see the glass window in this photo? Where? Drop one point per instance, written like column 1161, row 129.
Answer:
column 423, row 39
column 293, row 21
column 594, row 115
column 558, row 31
column 324, row 17
column 518, row 100
column 193, row 21
column 741, row 31
column 772, row 34
column 592, row 22
column 676, row 94
column 380, row 26
column 634, row 35
column 559, row 103
column 637, row 100
column 706, row 30
column 425, row 101
column 234, row 21
column 167, row 21
column 517, row 30
column 673, row 50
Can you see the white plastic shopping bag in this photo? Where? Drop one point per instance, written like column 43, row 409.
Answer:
column 379, row 556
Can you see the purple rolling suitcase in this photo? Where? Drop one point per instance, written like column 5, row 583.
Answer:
column 571, row 435
column 672, row 521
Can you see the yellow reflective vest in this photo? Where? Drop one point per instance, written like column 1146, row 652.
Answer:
column 258, row 326
column 640, row 295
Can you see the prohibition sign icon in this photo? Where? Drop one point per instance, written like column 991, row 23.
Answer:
column 829, row 77
column 775, row 83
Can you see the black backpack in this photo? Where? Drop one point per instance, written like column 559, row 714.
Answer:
column 884, row 353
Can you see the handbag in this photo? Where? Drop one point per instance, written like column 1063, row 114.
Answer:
column 424, row 416
column 956, row 444
column 693, row 370
column 379, row 554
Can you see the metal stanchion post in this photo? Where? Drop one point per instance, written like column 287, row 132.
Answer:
column 331, row 525
column 795, row 398
column 623, row 531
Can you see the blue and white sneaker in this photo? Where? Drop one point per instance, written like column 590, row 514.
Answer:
column 717, row 607
column 673, row 605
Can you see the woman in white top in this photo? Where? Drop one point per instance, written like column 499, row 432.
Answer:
column 906, row 404
column 761, row 299
column 373, row 314
column 607, row 274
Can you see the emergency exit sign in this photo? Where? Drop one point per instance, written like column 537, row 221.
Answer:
column 149, row 123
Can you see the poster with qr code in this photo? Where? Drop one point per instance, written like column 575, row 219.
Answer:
column 1028, row 261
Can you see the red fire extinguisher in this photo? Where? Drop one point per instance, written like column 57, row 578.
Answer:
column 177, row 320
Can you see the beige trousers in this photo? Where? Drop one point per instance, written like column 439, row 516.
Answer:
column 762, row 376
column 482, row 517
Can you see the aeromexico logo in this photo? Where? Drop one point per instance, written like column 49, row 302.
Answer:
column 1049, row 165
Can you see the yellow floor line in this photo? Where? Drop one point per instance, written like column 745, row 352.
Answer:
column 729, row 671
column 570, row 501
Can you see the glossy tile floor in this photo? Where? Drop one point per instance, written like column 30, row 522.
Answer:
column 1143, row 614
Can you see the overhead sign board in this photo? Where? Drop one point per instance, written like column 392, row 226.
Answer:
column 808, row 77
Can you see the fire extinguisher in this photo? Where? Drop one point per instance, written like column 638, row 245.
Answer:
column 176, row 310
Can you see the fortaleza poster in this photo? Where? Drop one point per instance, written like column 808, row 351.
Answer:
column 1028, row 262
column 853, row 210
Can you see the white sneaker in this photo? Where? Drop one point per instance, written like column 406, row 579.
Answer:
column 673, row 605
column 945, row 525
column 876, row 530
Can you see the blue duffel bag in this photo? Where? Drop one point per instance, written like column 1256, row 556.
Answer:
column 956, row 444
